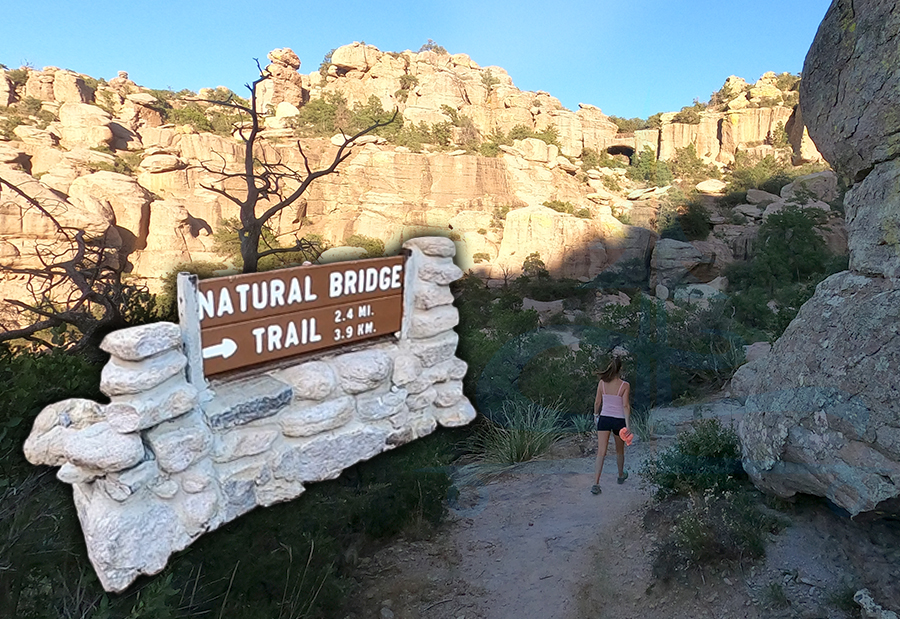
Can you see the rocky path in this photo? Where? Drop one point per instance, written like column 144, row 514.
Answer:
column 534, row 543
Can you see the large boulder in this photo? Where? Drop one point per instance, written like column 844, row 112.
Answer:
column 120, row 194
column 823, row 410
column 851, row 86
column 823, row 415
column 673, row 262
column 84, row 125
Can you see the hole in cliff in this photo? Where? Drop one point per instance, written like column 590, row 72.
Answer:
column 621, row 153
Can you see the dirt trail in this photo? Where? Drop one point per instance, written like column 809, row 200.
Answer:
column 534, row 543
column 523, row 545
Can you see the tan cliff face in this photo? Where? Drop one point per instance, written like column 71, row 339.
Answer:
column 163, row 215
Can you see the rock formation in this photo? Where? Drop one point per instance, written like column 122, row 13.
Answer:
column 108, row 150
column 823, row 415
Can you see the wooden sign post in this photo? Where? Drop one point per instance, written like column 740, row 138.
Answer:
column 248, row 319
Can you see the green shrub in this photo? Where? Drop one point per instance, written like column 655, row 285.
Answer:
column 480, row 257
column 8, row 124
column 499, row 215
column 706, row 457
column 682, row 218
column 583, row 213
column 787, row 81
column 431, row 46
column 488, row 80
column 671, row 353
column 630, row 125
column 768, row 174
column 374, row 247
column 550, row 135
column 318, row 116
column 611, row 183
column 645, row 167
column 326, row 64
column 407, row 83
column 18, row 77
column 689, row 114
column 489, row 149
column 715, row 528
column 687, row 165
column 30, row 106
column 560, row 206
column 778, row 137
column 533, row 266
column 227, row 245
column 188, row 114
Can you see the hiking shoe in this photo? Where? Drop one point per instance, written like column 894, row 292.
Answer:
column 595, row 489
column 622, row 479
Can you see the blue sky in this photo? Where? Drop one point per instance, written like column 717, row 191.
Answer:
column 630, row 58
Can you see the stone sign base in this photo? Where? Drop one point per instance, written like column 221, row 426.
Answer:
column 166, row 460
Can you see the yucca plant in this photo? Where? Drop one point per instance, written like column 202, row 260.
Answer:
column 518, row 432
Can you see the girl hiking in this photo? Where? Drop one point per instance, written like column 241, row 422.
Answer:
column 612, row 409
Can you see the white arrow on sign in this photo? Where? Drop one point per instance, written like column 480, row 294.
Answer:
column 225, row 349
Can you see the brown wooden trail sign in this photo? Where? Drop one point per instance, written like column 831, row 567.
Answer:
column 253, row 318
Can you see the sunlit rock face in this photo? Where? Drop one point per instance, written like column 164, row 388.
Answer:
column 823, row 414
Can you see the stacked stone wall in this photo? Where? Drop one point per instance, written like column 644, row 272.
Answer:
column 166, row 460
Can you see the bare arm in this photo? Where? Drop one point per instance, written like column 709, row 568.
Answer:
column 598, row 400
column 626, row 405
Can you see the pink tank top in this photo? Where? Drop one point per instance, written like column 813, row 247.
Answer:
column 613, row 405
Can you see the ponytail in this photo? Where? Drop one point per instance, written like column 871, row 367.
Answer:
column 612, row 370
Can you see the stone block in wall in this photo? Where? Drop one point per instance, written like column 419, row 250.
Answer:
column 198, row 477
column 142, row 342
column 451, row 369
column 299, row 421
column 459, row 414
column 429, row 295
column 164, row 488
column 171, row 399
column 406, row 369
column 76, row 413
column 436, row 246
column 114, row 489
column 100, row 447
column 325, row 456
column 381, row 406
column 434, row 349
column 198, row 512
column 240, row 402
column 448, row 393
column 428, row 323
column 277, row 490
column 138, row 476
column 442, row 273
column 421, row 401
column 69, row 473
column 48, row 447
column 121, row 377
column 363, row 371
column 314, row 380
column 242, row 442
column 119, row 558
column 238, row 481
column 179, row 443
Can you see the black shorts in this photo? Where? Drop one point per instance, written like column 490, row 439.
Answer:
column 611, row 424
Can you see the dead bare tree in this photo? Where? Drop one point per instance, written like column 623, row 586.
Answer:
column 270, row 187
column 76, row 283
